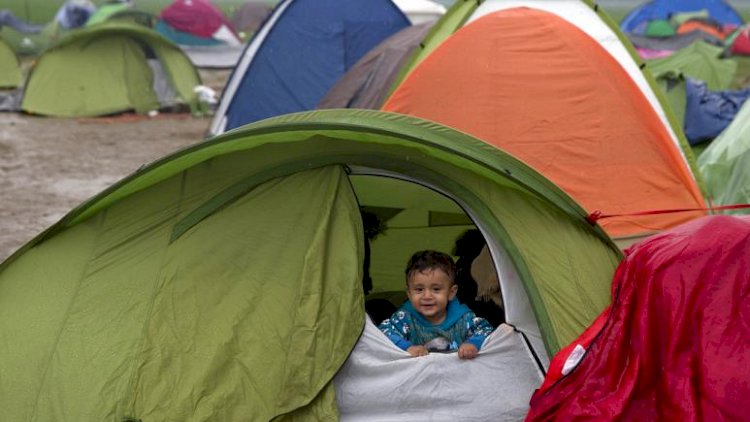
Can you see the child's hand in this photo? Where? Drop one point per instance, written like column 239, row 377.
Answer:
column 467, row 351
column 417, row 351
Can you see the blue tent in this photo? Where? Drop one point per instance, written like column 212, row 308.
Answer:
column 301, row 50
column 718, row 10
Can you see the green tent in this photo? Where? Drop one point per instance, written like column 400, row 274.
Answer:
column 10, row 70
column 659, row 28
column 700, row 60
column 223, row 282
column 725, row 163
column 109, row 68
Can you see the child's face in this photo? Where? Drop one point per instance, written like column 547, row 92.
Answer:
column 429, row 293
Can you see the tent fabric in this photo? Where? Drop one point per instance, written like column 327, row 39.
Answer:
column 10, row 69
column 673, row 346
column 675, row 42
column 699, row 61
column 708, row 113
column 528, row 110
column 420, row 11
column 225, row 280
column 250, row 16
column 589, row 19
column 106, row 11
column 103, row 69
column 659, row 28
column 300, row 52
column 366, row 84
column 718, row 10
column 200, row 18
column 437, row 387
column 725, row 163
column 740, row 45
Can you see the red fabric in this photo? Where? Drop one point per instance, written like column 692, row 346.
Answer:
column 196, row 17
column 675, row 345
column 741, row 44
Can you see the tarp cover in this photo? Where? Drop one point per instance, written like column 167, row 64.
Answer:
column 673, row 347
column 708, row 113
column 381, row 382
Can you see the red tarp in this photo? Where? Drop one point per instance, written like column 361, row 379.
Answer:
column 197, row 17
column 675, row 343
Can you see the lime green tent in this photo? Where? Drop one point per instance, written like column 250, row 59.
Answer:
column 109, row 68
column 725, row 163
column 223, row 282
column 700, row 60
column 10, row 70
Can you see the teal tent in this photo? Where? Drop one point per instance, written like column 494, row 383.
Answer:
column 223, row 282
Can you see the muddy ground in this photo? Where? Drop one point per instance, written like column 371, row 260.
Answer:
column 49, row 165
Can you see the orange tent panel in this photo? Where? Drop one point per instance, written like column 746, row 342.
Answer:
column 539, row 88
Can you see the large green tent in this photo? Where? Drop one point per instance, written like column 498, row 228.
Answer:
column 223, row 282
column 109, row 68
column 10, row 70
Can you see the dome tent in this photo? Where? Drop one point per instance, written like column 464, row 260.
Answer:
column 301, row 50
column 109, row 68
column 181, row 277
column 527, row 108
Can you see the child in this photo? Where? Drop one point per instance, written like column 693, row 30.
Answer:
column 432, row 319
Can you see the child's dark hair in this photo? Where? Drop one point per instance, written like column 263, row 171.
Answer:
column 431, row 260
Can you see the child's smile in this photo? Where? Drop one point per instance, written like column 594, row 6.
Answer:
column 429, row 293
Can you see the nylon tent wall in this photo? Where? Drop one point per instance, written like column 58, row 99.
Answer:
column 105, row 69
column 10, row 69
column 180, row 278
column 301, row 50
column 420, row 11
column 366, row 84
column 718, row 10
column 725, row 162
column 498, row 73
column 588, row 18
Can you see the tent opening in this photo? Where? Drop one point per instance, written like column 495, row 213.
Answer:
column 402, row 216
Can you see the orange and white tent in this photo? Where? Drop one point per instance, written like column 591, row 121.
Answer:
column 534, row 84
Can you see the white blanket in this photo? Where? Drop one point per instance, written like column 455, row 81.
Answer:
column 380, row 382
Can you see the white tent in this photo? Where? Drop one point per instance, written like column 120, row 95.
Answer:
column 420, row 11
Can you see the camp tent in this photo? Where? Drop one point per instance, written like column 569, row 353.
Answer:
column 420, row 11
column 10, row 69
column 225, row 280
column 303, row 48
column 718, row 10
column 725, row 162
column 367, row 83
column 250, row 16
column 701, row 61
column 529, row 81
column 202, row 32
column 110, row 68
